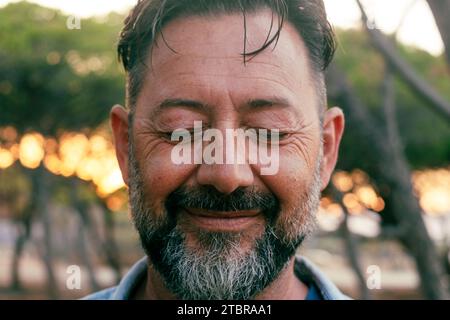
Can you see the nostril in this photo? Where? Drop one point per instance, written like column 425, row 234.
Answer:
column 225, row 178
column 225, row 189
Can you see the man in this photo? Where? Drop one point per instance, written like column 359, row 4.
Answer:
column 225, row 230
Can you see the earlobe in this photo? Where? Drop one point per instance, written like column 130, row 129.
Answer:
column 119, row 126
column 333, row 129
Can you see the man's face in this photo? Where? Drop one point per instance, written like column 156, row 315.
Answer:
column 225, row 230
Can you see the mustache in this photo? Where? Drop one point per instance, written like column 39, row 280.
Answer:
column 209, row 198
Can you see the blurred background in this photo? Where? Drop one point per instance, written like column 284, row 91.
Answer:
column 384, row 220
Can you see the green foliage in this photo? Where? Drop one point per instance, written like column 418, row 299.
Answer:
column 53, row 78
column 425, row 135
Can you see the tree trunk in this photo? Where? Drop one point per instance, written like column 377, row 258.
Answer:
column 351, row 246
column 406, row 207
column 393, row 168
column 43, row 197
column 441, row 12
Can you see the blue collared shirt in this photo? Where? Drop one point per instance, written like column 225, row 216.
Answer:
column 320, row 287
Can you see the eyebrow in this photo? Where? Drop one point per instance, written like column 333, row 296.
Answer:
column 168, row 103
column 177, row 102
column 269, row 102
column 202, row 107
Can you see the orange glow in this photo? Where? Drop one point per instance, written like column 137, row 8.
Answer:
column 435, row 201
column 88, row 168
column 73, row 148
column 367, row 195
column 91, row 159
column 15, row 151
column 31, row 150
column 359, row 194
column 350, row 200
column 325, row 202
column 99, row 144
column 73, row 154
column 335, row 209
column 342, row 181
column 9, row 134
column 433, row 189
column 359, row 177
column 51, row 146
column 378, row 205
column 115, row 203
column 110, row 183
column 53, row 164
column 6, row 158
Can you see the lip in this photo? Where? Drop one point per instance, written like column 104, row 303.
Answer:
column 227, row 221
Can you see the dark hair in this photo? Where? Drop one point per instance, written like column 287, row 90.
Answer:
column 148, row 17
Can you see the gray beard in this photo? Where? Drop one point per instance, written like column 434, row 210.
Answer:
column 219, row 270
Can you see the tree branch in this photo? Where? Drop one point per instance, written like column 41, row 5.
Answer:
column 405, row 70
column 441, row 10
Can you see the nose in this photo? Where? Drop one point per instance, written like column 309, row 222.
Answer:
column 225, row 177
column 233, row 169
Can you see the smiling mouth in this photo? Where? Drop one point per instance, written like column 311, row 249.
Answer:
column 225, row 221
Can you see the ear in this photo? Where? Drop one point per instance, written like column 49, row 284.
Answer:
column 119, row 125
column 333, row 128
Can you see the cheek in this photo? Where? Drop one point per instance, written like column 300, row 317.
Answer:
column 294, row 177
column 291, row 186
column 159, row 174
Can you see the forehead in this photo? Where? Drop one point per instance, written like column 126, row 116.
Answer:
column 204, row 53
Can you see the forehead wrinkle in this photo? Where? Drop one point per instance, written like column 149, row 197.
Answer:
column 232, row 65
column 274, row 58
column 211, row 93
column 286, row 67
column 216, row 93
column 194, row 77
column 203, row 29
column 290, row 52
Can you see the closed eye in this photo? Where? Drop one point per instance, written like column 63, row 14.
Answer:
column 271, row 136
column 181, row 135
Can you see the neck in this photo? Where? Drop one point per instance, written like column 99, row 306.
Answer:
column 287, row 286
